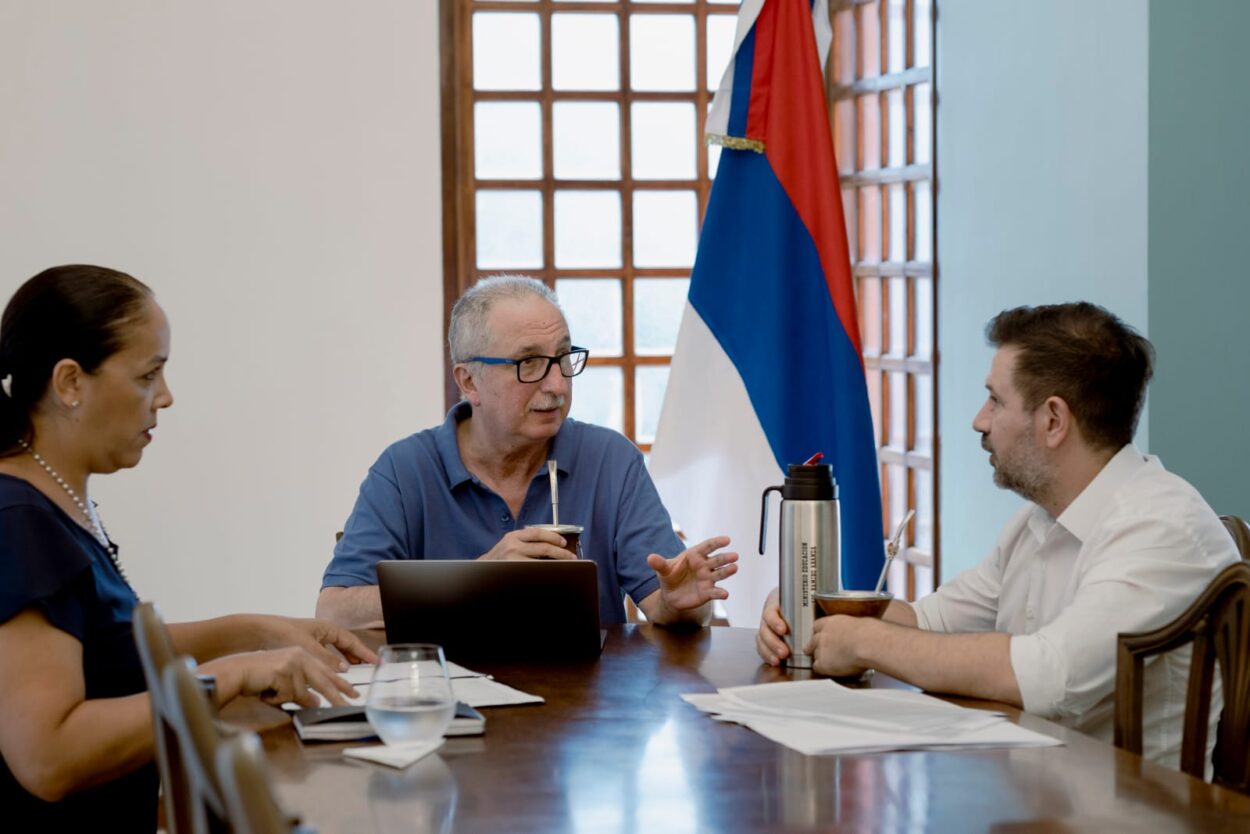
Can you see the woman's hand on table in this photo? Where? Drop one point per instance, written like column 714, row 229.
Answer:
column 277, row 676
column 324, row 640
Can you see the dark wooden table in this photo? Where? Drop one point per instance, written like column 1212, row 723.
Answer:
column 614, row 748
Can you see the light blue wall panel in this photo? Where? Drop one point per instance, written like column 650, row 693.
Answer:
column 1041, row 198
column 1199, row 237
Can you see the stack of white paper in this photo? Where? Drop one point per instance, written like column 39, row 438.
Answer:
column 821, row 716
column 473, row 688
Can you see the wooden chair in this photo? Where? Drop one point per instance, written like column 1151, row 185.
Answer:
column 156, row 651
column 250, row 802
column 1240, row 532
column 194, row 720
column 1218, row 625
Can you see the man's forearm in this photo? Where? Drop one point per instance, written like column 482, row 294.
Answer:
column 356, row 607
column 975, row 665
column 900, row 612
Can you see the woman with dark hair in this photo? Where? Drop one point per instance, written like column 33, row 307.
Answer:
column 82, row 379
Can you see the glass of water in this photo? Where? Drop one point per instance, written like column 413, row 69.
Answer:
column 410, row 699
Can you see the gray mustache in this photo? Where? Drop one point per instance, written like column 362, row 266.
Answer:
column 556, row 401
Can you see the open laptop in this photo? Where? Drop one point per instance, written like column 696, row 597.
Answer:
column 536, row 611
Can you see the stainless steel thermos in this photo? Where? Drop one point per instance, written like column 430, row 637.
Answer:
column 810, row 560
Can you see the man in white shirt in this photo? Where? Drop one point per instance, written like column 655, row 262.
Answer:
column 1110, row 542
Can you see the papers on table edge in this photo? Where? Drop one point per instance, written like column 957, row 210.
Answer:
column 821, row 716
column 473, row 688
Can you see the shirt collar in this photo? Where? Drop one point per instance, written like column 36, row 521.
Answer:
column 1040, row 523
column 1082, row 514
column 449, row 447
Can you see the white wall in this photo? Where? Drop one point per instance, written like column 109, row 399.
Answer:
column 271, row 169
column 1041, row 198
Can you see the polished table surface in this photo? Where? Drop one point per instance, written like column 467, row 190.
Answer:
column 614, row 748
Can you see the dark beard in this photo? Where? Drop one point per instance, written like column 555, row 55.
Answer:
column 1031, row 478
column 1033, row 487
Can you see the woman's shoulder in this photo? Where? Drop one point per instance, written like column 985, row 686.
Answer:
column 18, row 492
column 24, row 504
column 39, row 552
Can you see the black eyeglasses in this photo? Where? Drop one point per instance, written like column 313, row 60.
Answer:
column 535, row 368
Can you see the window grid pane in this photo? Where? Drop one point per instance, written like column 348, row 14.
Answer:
column 881, row 107
column 881, row 111
column 615, row 139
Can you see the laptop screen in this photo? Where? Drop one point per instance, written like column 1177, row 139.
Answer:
column 532, row 610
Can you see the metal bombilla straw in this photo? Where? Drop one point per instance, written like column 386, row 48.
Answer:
column 891, row 549
column 555, row 493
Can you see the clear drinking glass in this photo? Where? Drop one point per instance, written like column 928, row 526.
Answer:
column 410, row 698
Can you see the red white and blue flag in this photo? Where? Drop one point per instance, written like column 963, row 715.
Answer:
column 768, row 368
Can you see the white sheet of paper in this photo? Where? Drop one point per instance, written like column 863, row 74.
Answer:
column 884, row 710
column 485, row 692
column 474, row 688
column 814, row 738
column 362, row 673
column 394, row 755
column 816, row 717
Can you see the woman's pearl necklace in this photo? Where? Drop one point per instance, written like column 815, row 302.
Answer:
column 93, row 519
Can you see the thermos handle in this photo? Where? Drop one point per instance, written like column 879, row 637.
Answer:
column 764, row 515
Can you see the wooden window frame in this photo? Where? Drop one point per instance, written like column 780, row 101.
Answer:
column 459, row 243
column 459, row 186
column 894, row 453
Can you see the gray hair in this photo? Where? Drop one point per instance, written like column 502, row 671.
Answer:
column 467, row 335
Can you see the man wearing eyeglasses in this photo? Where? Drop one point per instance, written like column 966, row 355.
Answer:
column 467, row 489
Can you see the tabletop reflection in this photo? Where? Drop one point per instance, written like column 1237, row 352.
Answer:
column 420, row 799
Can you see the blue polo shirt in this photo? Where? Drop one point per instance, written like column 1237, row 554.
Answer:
column 420, row 502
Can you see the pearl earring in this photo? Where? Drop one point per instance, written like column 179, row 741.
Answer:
column 74, row 404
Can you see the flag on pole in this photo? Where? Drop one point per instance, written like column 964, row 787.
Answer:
column 768, row 367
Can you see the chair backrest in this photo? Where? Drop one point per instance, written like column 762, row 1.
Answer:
column 1240, row 532
column 251, row 805
column 156, row 651
column 194, row 720
column 1218, row 625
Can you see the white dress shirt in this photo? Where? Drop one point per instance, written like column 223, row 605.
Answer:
column 1131, row 553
